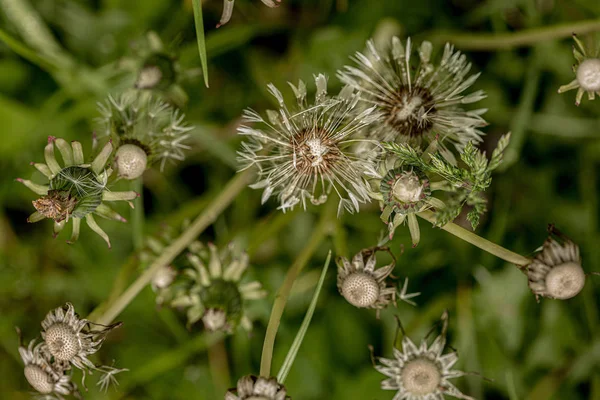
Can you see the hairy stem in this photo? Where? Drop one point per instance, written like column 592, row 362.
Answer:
column 214, row 209
column 281, row 298
column 476, row 240
column 525, row 37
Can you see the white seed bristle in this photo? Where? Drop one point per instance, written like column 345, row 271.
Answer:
column 420, row 377
column 360, row 289
column 131, row 161
column 565, row 281
column 588, row 75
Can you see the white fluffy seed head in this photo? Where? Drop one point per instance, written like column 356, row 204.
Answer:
column 38, row 379
column 420, row 376
column 408, row 189
column 360, row 289
column 565, row 281
column 588, row 75
column 131, row 161
column 62, row 342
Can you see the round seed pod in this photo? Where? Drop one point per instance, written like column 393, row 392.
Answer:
column 131, row 161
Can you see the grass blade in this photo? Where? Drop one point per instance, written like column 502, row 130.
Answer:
column 200, row 36
column 291, row 355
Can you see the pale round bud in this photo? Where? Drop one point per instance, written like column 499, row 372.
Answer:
column 420, row 377
column 408, row 189
column 565, row 281
column 149, row 77
column 39, row 379
column 62, row 342
column 164, row 277
column 588, row 75
column 214, row 319
column 131, row 161
column 360, row 289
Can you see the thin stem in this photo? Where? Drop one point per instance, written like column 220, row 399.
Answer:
column 525, row 37
column 283, row 294
column 138, row 215
column 520, row 261
column 214, row 209
column 219, row 366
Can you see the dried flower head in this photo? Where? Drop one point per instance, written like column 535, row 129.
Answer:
column 422, row 373
column 587, row 72
column 42, row 375
column 364, row 286
column 417, row 100
column 556, row 270
column 76, row 191
column 308, row 152
column 228, row 9
column 70, row 339
column 251, row 387
column 214, row 293
column 146, row 130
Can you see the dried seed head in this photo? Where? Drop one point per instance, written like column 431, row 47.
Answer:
column 588, row 75
column 62, row 342
column 420, row 377
column 131, row 161
column 360, row 289
column 565, row 281
column 257, row 388
column 39, row 379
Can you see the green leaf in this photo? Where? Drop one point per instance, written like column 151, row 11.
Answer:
column 200, row 36
column 291, row 355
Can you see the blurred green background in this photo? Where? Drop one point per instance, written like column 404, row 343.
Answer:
column 549, row 350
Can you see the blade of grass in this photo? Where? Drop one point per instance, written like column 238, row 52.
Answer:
column 200, row 36
column 291, row 355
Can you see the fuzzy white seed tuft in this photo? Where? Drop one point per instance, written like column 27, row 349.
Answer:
column 565, row 281
column 420, row 377
column 131, row 161
column 408, row 189
column 588, row 75
column 360, row 289
column 214, row 319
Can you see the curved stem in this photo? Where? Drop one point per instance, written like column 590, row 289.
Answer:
column 525, row 37
column 214, row 209
column 476, row 240
column 283, row 294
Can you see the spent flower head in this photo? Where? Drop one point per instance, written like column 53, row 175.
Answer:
column 77, row 190
column 214, row 292
column 555, row 272
column 417, row 99
column 43, row 375
column 250, row 387
column 70, row 339
column 146, row 131
column 587, row 72
column 228, row 9
column 422, row 373
column 309, row 151
column 364, row 286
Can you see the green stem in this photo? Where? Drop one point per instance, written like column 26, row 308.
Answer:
column 283, row 294
column 520, row 261
column 525, row 37
column 214, row 209
column 138, row 215
column 219, row 367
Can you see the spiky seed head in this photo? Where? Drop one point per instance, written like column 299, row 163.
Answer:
column 420, row 377
column 565, row 281
column 62, row 342
column 360, row 289
column 131, row 161
column 588, row 75
column 39, row 379
column 215, row 319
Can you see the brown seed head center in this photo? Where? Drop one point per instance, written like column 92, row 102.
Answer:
column 408, row 111
column 314, row 152
column 56, row 205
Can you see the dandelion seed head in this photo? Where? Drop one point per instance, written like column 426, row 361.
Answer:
column 257, row 388
column 38, row 379
column 565, row 280
column 420, row 376
column 360, row 289
column 43, row 374
column 62, row 342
